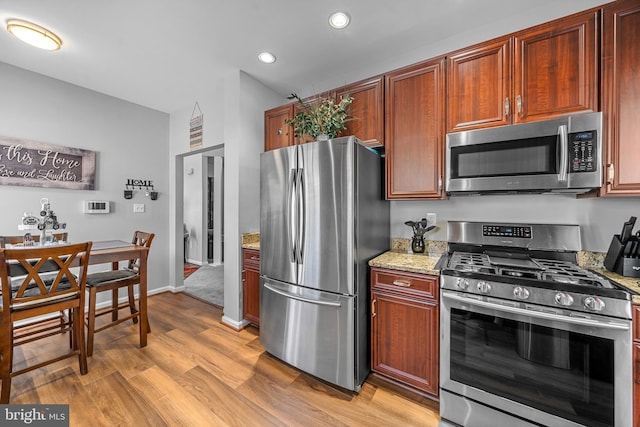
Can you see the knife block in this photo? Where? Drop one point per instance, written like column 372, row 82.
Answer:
column 616, row 261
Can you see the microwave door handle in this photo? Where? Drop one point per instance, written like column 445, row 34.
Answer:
column 564, row 151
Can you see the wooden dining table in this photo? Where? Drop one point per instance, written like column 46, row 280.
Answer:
column 114, row 251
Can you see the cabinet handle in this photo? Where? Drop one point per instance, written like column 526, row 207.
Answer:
column 279, row 131
column 519, row 104
column 254, row 258
column 506, row 106
column 243, row 275
column 440, row 183
column 611, row 173
column 373, row 308
column 402, row 283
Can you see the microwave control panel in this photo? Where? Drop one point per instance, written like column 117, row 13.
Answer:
column 582, row 151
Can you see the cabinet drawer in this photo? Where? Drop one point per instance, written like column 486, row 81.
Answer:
column 396, row 281
column 251, row 259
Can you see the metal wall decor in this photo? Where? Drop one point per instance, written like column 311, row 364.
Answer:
column 35, row 164
column 141, row 184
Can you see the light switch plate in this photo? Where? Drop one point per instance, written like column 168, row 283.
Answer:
column 431, row 219
column 138, row 207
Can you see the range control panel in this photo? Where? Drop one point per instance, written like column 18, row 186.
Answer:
column 582, row 151
column 520, row 231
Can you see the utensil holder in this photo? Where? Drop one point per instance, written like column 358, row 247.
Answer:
column 617, row 262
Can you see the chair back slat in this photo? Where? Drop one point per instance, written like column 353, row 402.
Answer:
column 15, row 240
column 142, row 239
column 38, row 275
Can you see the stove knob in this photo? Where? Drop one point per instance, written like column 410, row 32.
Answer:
column 521, row 293
column 594, row 303
column 462, row 283
column 564, row 298
column 484, row 287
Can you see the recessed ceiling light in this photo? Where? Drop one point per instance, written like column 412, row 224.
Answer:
column 267, row 57
column 34, row 34
column 339, row 20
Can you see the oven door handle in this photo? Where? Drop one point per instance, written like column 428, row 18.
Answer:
column 537, row 314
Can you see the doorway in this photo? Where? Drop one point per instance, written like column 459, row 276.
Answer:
column 203, row 224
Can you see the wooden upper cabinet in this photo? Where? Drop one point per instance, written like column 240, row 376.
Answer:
column 555, row 69
column 544, row 72
column 621, row 97
column 478, row 91
column 414, row 132
column 366, row 112
column 277, row 133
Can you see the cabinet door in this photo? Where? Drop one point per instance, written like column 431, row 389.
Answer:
column 478, row 86
column 405, row 340
column 366, row 112
column 414, row 132
column 251, row 285
column 555, row 69
column 636, row 384
column 621, row 96
column 277, row 133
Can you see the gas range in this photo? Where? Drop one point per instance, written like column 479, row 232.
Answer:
column 534, row 265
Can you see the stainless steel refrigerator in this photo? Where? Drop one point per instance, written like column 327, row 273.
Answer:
column 323, row 217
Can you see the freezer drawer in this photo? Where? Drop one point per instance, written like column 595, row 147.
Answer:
column 309, row 329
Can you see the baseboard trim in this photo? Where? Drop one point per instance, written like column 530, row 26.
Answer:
column 235, row 324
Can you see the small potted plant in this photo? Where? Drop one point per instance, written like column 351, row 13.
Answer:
column 321, row 119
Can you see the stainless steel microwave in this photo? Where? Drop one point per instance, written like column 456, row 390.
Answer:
column 560, row 155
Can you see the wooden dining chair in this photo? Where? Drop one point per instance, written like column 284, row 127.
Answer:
column 19, row 240
column 113, row 281
column 36, row 282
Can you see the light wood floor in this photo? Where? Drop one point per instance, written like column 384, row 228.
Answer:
column 197, row 372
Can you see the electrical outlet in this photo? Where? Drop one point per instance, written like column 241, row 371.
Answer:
column 431, row 219
column 138, row 208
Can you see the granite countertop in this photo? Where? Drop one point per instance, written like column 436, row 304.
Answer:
column 401, row 258
column 251, row 241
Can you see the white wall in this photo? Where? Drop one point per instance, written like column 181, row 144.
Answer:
column 599, row 218
column 233, row 111
column 132, row 142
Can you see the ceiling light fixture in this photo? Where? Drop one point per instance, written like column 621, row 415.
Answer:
column 267, row 57
column 339, row 20
column 34, row 34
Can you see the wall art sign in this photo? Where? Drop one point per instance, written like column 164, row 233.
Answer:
column 195, row 128
column 35, row 164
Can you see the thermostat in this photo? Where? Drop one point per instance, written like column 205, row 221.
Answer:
column 96, row 206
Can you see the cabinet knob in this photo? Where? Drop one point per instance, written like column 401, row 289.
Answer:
column 279, row 131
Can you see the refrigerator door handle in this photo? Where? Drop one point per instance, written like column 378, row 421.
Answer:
column 291, row 208
column 303, row 299
column 302, row 215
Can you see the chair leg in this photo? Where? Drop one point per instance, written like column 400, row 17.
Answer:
column 114, row 305
column 78, row 331
column 91, row 320
column 6, row 367
column 132, row 303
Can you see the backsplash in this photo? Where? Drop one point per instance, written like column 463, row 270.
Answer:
column 432, row 247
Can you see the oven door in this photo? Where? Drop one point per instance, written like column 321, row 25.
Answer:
column 545, row 367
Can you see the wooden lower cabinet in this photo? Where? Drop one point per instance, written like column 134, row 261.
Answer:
column 251, row 286
column 405, row 328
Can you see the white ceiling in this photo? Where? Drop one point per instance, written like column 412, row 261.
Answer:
column 163, row 54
